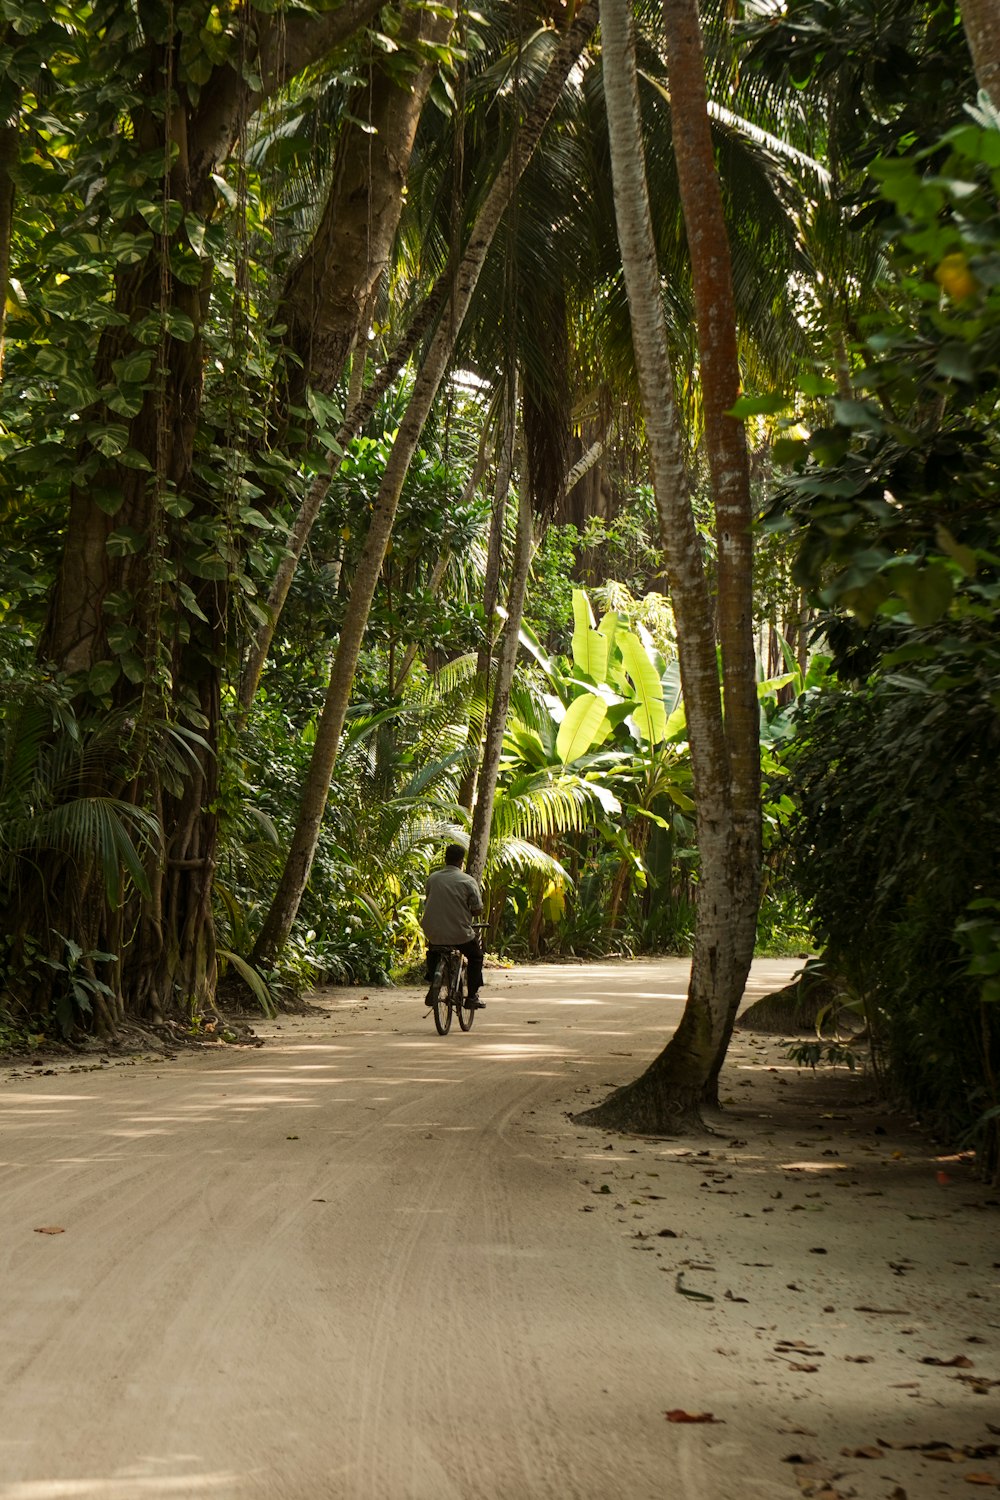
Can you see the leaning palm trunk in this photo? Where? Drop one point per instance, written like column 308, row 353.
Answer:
column 669, row 1093
column 438, row 572
column 489, row 771
column 491, row 585
column 279, row 920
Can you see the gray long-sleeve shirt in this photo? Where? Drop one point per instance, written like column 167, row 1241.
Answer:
column 452, row 900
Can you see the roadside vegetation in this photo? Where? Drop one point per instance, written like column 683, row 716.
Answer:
column 565, row 430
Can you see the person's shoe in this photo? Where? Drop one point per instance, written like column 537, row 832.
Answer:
column 475, row 1003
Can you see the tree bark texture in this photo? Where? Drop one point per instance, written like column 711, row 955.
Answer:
column 491, row 587
column 981, row 19
column 280, row 918
column 668, row 1095
column 729, row 464
column 482, row 816
column 328, row 293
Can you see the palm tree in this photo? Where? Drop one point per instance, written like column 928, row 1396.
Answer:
column 672, row 1089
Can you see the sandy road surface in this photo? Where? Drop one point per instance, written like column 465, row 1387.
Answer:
column 368, row 1263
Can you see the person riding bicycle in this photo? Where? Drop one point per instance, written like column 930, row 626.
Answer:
column 451, row 900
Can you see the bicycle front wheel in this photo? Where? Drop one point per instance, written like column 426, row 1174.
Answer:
column 461, row 992
column 439, row 998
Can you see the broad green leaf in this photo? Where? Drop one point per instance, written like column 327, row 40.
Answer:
column 125, row 542
column 590, row 646
column 649, row 713
column 225, row 191
column 131, row 458
column 586, row 724
column 134, row 667
column 122, row 637
column 133, row 368
column 857, row 414
column 102, row 677
column 130, row 249
column 179, row 326
column 162, row 218
column 954, row 361
column 772, row 685
column 958, row 552
column 107, row 498
column 676, row 726
column 927, row 591
column 759, row 406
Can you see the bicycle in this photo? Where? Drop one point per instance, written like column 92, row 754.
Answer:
column 449, row 991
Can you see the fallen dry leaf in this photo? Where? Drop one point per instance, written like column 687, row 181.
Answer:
column 679, row 1415
column 979, row 1383
column 957, row 1362
column 859, row 1359
column 984, row 1479
column 50, row 1229
column 804, row 1369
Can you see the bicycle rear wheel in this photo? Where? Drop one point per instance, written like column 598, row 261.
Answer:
column 465, row 1015
column 439, row 996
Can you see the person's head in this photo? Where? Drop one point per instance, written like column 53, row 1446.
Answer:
column 454, row 855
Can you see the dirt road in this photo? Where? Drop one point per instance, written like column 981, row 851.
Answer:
column 368, row 1263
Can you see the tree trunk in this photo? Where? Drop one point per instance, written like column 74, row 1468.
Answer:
column 981, row 19
column 327, row 295
column 279, row 920
column 729, row 464
column 482, row 816
column 491, row 585
column 670, row 1092
column 397, row 677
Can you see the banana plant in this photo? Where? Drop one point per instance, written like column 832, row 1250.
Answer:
column 611, row 715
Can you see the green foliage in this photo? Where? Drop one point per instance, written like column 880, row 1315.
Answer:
column 894, row 844
column 893, row 512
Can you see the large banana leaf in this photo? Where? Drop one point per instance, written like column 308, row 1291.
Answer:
column 590, row 646
column 649, row 713
column 586, row 724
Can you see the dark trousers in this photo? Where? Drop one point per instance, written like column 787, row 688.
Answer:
column 473, row 953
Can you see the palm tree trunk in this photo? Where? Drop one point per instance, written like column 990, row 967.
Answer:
column 729, row 464
column 669, row 1093
column 491, row 585
column 279, row 920
column 438, row 571
column 981, row 19
column 489, row 771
